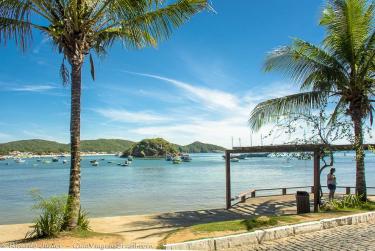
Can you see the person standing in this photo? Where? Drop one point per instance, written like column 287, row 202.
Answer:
column 331, row 183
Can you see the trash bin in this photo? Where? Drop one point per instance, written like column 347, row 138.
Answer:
column 303, row 202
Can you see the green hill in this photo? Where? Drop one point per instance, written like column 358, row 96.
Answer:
column 33, row 145
column 199, row 147
column 151, row 148
column 159, row 147
column 39, row 146
column 105, row 145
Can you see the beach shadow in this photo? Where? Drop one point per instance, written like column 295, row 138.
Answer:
column 251, row 208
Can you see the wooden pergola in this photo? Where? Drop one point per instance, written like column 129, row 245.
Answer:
column 315, row 149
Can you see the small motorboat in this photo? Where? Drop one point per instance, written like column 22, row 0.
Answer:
column 235, row 160
column 186, row 158
column 55, row 159
column 110, row 162
column 95, row 163
column 242, row 156
column 126, row 163
column 168, row 157
column 233, row 156
column 64, row 161
column 20, row 160
column 38, row 160
column 130, row 158
column 176, row 160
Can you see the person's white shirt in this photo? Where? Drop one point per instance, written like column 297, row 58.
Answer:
column 331, row 179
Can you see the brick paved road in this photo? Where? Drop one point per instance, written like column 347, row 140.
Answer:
column 344, row 238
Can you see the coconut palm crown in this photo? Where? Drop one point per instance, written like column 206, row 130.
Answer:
column 341, row 69
column 80, row 27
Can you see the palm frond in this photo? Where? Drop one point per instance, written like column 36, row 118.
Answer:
column 348, row 23
column 309, row 64
column 15, row 22
column 271, row 110
column 337, row 111
column 159, row 22
column 64, row 73
column 92, row 68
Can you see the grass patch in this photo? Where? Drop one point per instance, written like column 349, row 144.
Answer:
column 236, row 225
column 243, row 225
column 259, row 222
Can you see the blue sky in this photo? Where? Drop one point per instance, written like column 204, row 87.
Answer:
column 201, row 84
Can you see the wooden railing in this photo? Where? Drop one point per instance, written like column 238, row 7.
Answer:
column 252, row 193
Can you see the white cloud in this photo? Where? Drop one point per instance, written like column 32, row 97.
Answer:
column 132, row 117
column 212, row 99
column 33, row 88
column 208, row 115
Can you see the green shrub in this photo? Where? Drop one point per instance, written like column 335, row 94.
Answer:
column 50, row 222
column 83, row 220
column 262, row 221
column 349, row 202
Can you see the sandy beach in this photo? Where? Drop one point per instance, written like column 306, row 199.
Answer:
column 149, row 231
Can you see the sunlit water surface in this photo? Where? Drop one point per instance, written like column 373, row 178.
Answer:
column 153, row 186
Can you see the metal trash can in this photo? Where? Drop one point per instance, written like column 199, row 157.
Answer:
column 303, row 202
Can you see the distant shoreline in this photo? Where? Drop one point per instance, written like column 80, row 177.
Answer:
column 52, row 155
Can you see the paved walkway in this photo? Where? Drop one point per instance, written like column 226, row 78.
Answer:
column 344, row 238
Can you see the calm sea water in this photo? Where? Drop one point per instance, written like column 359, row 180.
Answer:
column 153, row 186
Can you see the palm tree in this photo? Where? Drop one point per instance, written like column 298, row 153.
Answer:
column 80, row 27
column 341, row 69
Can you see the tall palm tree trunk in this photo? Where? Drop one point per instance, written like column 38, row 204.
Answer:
column 73, row 205
column 360, row 156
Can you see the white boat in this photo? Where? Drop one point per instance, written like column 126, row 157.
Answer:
column 176, row 160
column 235, row 160
column 126, row 163
column 20, row 160
column 64, row 161
column 233, row 156
column 95, row 163
column 186, row 158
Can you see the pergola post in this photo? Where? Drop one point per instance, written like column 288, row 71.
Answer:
column 227, row 180
column 316, row 180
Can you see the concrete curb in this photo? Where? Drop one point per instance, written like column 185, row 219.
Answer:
column 261, row 236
